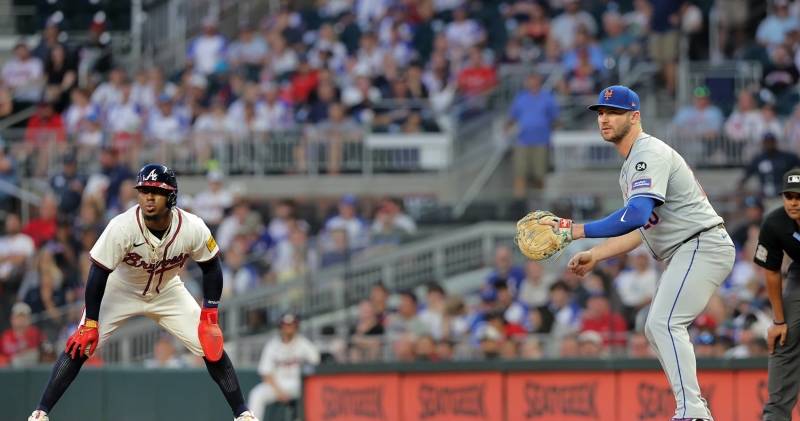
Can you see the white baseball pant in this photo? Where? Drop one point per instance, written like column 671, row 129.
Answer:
column 264, row 394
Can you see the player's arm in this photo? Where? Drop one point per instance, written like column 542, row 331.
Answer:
column 631, row 217
column 206, row 253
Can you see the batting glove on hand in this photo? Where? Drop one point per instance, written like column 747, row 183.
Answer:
column 210, row 334
column 85, row 337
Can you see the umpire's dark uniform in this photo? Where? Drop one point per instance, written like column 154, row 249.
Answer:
column 781, row 233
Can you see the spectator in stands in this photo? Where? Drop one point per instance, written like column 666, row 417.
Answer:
column 780, row 78
column 432, row 313
column 96, row 56
column 405, row 323
column 584, row 51
column 534, row 290
column 361, row 97
column 740, row 127
column 758, row 348
column 639, row 347
column 463, row 33
column 590, row 344
column 248, row 53
column 44, row 128
column 61, row 76
column 328, row 51
column 391, row 226
column 348, row 219
column 753, row 215
column 207, row 49
column 110, row 92
column 239, row 277
column 283, row 59
column 513, row 311
column 617, row 41
column 535, row 29
column 16, row 253
column 705, row 346
column 8, row 174
column 636, row 285
column 567, row 24
column 20, row 343
column 241, row 220
column 570, row 347
column 425, row 349
column 339, row 251
column 600, row 318
column 368, row 323
column 43, row 228
column 48, row 40
column 476, row 77
column 164, row 355
column 772, row 31
column 536, row 112
column 702, row 121
column 664, row 38
column 78, row 112
column 277, row 114
column 43, row 290
column 490, row 339
column 531, row 349
column 65, row 248
column 164, row 127
column 210, row 204
column 6, row 100
column 116, row 173
column 770, row 166
column 505, row 270
column 561, row 311
column 68, row 186
column 285, row 214
column 293, row 257
column 23, row 75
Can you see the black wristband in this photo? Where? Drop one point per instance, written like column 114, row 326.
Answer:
column 778, row 324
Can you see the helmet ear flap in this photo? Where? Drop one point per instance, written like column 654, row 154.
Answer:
column 172, row 199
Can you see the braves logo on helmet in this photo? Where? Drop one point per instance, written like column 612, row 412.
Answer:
column 159, row 176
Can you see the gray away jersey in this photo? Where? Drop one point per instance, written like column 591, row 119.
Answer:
column 655, row 170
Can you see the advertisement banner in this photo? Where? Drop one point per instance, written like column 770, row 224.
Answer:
column 562, row 396
column 452, row 397
column 352, row 397
column 647, row 395
column 751, row 394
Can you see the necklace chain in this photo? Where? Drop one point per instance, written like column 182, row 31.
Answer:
column 155, row 252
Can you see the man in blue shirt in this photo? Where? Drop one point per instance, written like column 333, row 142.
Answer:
column 536, row 113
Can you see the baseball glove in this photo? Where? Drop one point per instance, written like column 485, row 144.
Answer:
column 538, row 241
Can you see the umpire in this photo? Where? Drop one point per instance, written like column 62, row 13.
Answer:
column 779, row 234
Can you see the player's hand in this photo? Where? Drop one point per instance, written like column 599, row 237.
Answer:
column 776, row 334
column 582, row 263
column 86, row 336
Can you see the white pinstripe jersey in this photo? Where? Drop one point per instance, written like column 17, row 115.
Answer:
column 653, row 169
column 124, row 249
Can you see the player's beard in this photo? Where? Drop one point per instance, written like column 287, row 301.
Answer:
column 621, row 132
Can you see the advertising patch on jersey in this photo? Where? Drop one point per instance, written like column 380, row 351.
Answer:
column 211, row 244
column 640, row 166
column 642, row 183
column 761, row 253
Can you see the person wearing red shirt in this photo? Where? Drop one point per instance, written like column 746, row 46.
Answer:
column 22, row 336
column 598, row 317
column 304, row 81
column 45, row 126
column 508, row 329
column 476, row 78
column 43, row 228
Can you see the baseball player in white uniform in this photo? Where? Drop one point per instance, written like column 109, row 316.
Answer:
column 135, row 265
column 667, row 210
column 279, row 367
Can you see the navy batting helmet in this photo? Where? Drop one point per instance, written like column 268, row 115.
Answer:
column 161, row 177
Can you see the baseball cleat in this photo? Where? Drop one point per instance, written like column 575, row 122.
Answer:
column 245, row 416
column 38, row 416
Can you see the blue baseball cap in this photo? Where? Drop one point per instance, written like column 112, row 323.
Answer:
column 617, row 96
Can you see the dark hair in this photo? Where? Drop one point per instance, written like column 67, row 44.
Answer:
column 410, row 294
column 435, row 287
column 559, row 285
column 381, row 287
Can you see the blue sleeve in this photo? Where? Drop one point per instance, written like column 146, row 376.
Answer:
column 623, row 221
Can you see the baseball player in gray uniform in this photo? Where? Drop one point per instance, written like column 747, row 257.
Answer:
column 667, row 210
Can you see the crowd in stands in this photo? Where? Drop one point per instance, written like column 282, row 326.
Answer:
column 528, row 312
column 329, row 72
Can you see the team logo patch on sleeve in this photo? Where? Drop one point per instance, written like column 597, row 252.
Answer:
column 211, row 244
column 642, row 183
column 761, row 253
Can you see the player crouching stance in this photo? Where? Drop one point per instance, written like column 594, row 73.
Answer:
column 134, row 271
column 667, row 210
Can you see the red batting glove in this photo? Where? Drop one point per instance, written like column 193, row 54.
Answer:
column 86, row 336
column 210, row 334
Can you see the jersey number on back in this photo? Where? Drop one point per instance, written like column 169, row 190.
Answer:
column 653, row 221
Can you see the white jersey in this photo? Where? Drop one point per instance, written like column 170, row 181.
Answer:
column 283, row 361
column 653, row 169
column 125, row 249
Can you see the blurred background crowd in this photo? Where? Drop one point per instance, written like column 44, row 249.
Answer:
column 339, row 70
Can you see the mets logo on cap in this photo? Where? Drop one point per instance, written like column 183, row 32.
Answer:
column 608, row 93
